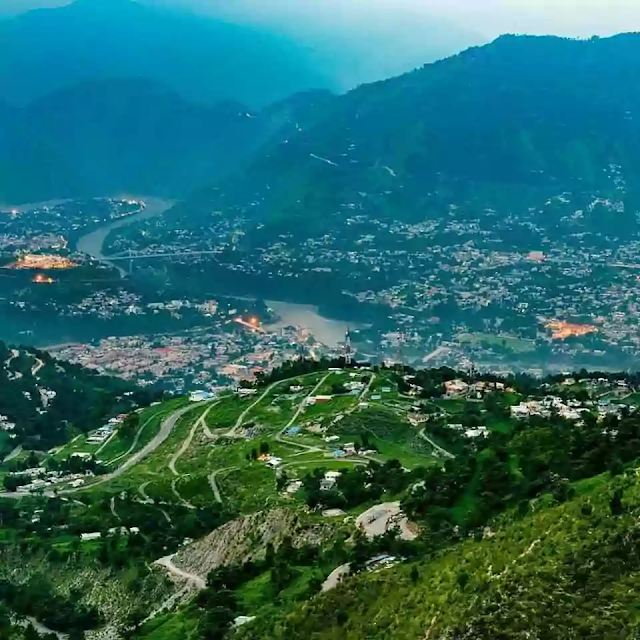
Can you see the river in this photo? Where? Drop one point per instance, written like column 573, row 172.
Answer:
column 329, row 332
column 93, row 243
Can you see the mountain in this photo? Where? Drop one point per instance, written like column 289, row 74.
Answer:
column 491, row 125
column 123, row 136
column 205, row 60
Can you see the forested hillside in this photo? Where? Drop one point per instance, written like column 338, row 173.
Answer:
column 497, row 126
column 43, row 403
column 204, row 60
column 123, row 136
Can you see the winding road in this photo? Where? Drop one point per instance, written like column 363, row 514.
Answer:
column 245, row 413
column 214, row 485
column 134, row 444
column 167, row 563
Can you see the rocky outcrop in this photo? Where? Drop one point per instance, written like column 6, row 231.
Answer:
column 246, row 538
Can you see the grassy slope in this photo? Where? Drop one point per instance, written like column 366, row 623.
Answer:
column 556, row 573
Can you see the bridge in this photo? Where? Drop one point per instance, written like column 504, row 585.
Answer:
column 143, row 256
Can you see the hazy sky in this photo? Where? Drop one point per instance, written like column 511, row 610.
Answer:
column 487, row 17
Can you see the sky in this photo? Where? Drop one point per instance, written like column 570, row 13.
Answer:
column 487, row 18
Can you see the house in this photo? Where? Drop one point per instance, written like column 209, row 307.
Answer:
column 294, row 431
column 244, row 393
column 200, row 396
column 455, row 387
column 476, row 433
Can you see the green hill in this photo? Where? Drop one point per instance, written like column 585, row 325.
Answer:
column 455, row 518
column 560, row 571
column 123, row 136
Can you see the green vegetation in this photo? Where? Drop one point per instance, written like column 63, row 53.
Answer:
column 81, row 399
column 497, row 500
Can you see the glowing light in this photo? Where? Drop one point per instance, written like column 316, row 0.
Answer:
column 41, row 261
column 563, row 330
column 41, row 278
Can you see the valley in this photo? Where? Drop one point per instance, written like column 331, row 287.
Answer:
column 356, row 366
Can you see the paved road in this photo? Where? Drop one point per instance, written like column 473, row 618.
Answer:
column 186, row 443
column 166, row 428
column 14, row 454
column 36, row 367
column 134, row 444
column 167, row 563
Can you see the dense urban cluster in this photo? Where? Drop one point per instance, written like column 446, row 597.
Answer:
column 553, row 286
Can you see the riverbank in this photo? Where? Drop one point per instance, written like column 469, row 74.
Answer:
column 326, row 330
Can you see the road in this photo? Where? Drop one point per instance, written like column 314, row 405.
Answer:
column 36, row 367
column 440, row 351
column 112, row 507
column 142, row 491
column 176, row 493
column 167, row 563
column 186, row 443
column 437, row 447
column 295, row 417
column 12, row 375
column 214, row 485
column 14, row 454
column 134, row 444
column 245, row 413
column 166, row 428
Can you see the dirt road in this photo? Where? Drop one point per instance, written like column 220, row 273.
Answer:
column 167, row 563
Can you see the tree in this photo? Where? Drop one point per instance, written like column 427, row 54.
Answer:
column 11, row 483
column 129, row 426
column 462, row 578
column 616, row 506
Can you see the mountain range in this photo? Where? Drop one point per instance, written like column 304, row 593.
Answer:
column 204, row 60
column 521, row 116
column 119, row 136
